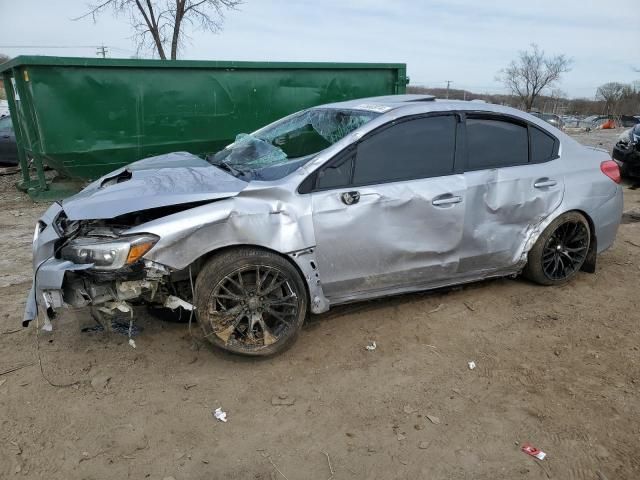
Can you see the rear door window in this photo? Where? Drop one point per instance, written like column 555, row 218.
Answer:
column 495, row 143
column 416, row 148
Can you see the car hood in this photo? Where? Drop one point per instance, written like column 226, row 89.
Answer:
column 170, row 179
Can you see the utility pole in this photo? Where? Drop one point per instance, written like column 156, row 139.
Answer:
column 449, row 82
column 102, row 50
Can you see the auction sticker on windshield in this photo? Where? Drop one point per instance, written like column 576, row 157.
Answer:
column 373, row 107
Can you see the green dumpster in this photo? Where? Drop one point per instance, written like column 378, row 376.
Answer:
column 86, row 117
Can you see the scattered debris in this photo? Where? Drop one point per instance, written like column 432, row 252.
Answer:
column 330, row 467
column 437, row 309
column 47, row 327
column 14, row 369
column 433, row 419
column 533, row 451
column 282, row 400
column 9, row 170
column 188, row 386
column 220, row 415
column 8, row 332
column 472, row 365
column 268, row 457
column 401, row 437
column 100, row 382
column 469, row 306
column 424, row 445
column 172, row 302
column 371, row 347
column 132, row 342
column 409, row 409
column 2, row 382
column 16, row 446
column 418, row 426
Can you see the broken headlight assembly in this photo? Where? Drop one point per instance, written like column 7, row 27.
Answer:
column 108, row 253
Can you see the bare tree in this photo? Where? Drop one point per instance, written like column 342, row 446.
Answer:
column 532, row 72
column 611, row 93
column 160, row 24
column 4, row 58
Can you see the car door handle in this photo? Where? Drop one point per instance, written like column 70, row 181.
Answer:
column 544, row 183
column 446, row 199
column 349, row 198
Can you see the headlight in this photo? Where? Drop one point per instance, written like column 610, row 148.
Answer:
column 40, row 226
column 108, row 254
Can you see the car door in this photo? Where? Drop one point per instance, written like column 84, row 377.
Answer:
column 514, row 181
column 388, row 213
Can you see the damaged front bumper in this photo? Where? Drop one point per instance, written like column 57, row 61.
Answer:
column 61, row 283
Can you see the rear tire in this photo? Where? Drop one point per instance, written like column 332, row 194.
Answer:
column 250, row 301
column 560, row 251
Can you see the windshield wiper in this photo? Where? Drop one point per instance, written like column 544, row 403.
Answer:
column 236, row 172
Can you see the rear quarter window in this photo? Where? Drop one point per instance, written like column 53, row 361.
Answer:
column 543, row 146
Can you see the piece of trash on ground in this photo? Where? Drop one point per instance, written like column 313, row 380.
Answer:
column 132, row 342
column 220, row 415
column 533, row 451
column 371, row 347
column 282, row 400
column 433, row 419
column 472, row 365
column 408, row 409
column 437, row 309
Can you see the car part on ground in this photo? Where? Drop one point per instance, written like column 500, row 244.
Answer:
column 626, row 152
column 310, row 212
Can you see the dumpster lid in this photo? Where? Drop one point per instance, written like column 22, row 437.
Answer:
column 45, row 60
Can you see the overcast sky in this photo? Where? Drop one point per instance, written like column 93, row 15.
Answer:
column 466, row 41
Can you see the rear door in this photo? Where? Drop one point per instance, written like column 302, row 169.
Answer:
column 388, row 213
column 514, row 181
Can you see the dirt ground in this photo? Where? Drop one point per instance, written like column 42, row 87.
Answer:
column 556, row 367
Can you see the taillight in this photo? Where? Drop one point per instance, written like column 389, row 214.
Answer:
column 611, row 170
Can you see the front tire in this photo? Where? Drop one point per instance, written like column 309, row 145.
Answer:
column 560, row 251
column 250, row 301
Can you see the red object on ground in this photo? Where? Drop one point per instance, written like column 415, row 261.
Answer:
column 533, row 451
column 609, row 124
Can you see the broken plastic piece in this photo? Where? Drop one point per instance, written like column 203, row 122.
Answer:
column 533, row 451
column 220, row 415
column 132, row 342
column 472, row 365
column 371, row 347
column 174, row 302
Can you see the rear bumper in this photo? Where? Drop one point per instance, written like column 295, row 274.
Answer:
column 606, row 219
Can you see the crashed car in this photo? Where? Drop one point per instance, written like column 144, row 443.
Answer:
column 334, row 204
column 626, row 152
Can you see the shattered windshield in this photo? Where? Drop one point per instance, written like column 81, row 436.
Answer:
column 284, row 146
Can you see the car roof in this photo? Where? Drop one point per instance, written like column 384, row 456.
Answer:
column 416, row 104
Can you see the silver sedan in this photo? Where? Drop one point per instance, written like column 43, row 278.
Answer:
column 334, row 204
